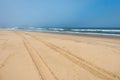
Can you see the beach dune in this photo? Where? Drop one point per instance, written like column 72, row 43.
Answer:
column 47, row 56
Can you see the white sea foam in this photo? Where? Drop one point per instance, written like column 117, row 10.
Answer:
column 109, row 32
column 105, row 30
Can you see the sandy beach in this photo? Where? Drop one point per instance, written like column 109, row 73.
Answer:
column 46, row 56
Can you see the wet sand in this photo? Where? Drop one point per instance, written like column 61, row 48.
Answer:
column 46, row 56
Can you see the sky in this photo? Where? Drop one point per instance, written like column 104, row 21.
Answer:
column 60, row 13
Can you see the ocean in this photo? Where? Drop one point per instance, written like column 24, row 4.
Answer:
column 100, row 31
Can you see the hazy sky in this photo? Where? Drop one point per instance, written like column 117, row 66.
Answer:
column 60, row 13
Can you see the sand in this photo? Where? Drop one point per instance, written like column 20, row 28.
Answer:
column 47, row 56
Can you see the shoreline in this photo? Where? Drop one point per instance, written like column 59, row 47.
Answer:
column 72, row 33
column 75, row 34
column 84, row 35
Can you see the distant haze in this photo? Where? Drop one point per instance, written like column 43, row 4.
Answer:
column 60, row 13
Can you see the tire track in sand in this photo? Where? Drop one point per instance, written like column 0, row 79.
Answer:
column 35, row 56
column 99, row 72
column 6, row 60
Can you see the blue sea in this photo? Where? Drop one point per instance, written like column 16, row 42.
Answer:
column 100, row 31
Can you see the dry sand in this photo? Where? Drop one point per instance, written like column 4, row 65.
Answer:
column 45, row 56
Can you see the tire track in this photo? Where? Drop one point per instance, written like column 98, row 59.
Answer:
column 8, row 57
column 6, row 60
column 99, row 72
column 4, row 44
column 95, row 42
column 33, row 54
